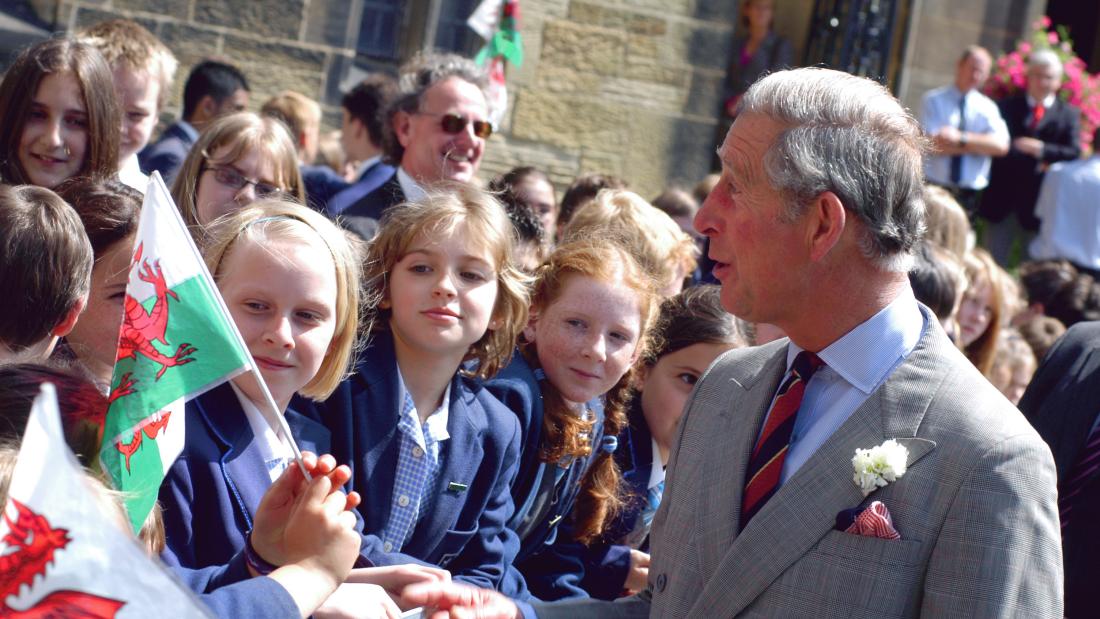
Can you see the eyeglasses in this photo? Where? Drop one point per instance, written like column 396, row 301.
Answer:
column 454, row 123
column 233, row 179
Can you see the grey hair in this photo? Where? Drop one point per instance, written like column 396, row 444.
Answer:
column 850, row 136
column 1044, row 58
column 415, row 77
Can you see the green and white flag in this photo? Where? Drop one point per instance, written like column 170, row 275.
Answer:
column 60, row 553
column 176, row 341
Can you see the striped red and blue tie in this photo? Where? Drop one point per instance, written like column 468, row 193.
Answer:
column 766, row 464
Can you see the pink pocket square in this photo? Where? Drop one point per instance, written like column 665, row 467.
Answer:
column 874, row 521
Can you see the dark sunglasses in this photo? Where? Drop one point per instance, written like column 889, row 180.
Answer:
column 453, row 123
column 233, row 179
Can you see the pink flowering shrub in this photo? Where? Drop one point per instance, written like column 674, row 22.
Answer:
column 1079, row 87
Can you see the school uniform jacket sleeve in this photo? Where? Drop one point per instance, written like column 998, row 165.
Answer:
column 230, row 591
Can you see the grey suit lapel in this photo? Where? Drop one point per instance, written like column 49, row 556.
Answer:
column 752, row 386
column 804, row 509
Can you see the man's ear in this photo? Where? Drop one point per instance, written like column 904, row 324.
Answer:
column 826, row 220
column 402, row 125
column 66, row 325
column 206, row 109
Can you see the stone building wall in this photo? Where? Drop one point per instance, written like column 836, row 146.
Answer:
column 940, row 29
column 630, row 88
column 279, row 44
column 627, row 87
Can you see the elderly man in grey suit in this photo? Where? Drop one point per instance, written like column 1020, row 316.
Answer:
column 772, row 508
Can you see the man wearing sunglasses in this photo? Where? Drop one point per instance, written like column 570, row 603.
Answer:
column 435, row 130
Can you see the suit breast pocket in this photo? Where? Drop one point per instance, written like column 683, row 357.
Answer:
column 453, row 542
column 870, row 549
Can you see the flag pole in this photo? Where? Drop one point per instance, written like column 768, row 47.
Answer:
column 274, row 416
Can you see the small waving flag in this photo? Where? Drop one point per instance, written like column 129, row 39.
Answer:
column 497, row 21
column 176, row 341
column 60, row 554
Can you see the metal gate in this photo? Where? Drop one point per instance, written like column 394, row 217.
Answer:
column 862, row 37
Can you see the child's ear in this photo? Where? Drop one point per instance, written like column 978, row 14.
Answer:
column 64, row 327
column 494, row 324
column 385, row 303
column 641, row 374
column 529, row 330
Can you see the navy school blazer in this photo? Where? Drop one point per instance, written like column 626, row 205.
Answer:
column 550, row 564
column 465, row 531
column 217, row 482
column 230, row 591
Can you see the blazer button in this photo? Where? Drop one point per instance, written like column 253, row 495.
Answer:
column 662, row 581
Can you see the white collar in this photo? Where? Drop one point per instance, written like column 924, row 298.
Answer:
column 412, row 190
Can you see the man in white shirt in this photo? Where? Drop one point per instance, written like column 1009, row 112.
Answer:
column 1067, row 208
column 966, row 130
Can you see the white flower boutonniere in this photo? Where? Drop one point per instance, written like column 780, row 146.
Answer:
column 878, row 466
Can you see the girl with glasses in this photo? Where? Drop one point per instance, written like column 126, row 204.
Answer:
column 237, row 159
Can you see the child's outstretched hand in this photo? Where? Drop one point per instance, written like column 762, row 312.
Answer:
column 457, row 601
column 274, row 512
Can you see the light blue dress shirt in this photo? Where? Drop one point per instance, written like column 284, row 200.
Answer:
column 856, row 365
column 940, row 108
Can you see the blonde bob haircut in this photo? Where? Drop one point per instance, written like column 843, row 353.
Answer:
column 486, row 227
column 241, row 133
column 273, row 219
column 657, row 242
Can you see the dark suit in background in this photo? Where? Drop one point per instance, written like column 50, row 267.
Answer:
column 166, row 155
column 1062, row 402
column 322, row 183
column 1015, row 178
column 371, row 178
column 363, row 216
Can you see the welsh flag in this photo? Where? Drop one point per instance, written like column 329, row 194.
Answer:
column 176, row 341
column 60, row 554
column 497, row 21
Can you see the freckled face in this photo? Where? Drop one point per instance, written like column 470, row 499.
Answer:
column 587, row 337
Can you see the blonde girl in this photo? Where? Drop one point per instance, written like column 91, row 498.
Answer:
column 238, row 159
column 290, row 280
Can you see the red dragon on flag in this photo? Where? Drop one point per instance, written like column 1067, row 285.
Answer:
column 36, row 542
column 140, row 329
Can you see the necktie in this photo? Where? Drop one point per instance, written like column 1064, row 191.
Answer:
column 766, row 463
column 1079, row 476
column 1037, row 114
column 957, row 160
